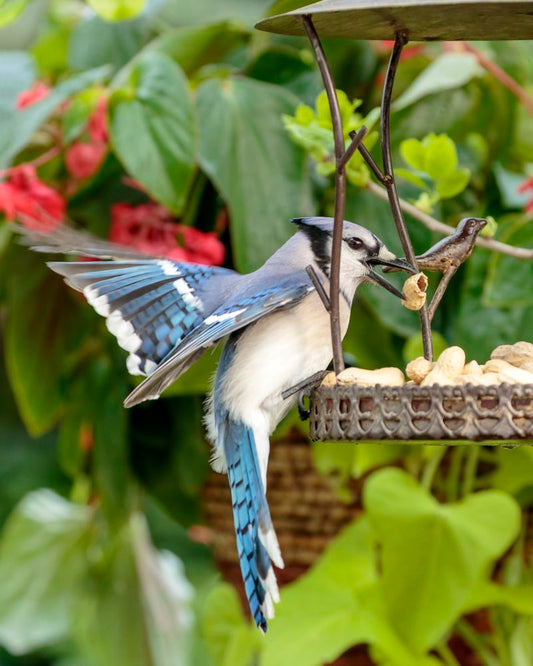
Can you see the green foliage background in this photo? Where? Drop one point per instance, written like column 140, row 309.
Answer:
column 96, row 566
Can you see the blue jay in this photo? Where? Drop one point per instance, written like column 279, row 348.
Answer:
column 166, row 314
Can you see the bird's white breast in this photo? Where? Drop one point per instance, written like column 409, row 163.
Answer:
column 275, row 353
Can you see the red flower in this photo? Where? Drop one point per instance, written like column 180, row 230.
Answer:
column 35, row 94
column 526, row 185
column 98, row 122
column 203, row 248
column 149, row 228
column 25, row 197
column 83, row 159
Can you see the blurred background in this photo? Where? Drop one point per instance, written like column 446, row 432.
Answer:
column 177, row 129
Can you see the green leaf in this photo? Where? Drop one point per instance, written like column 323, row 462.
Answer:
column 17, row 71
column 172, row 463
column 441, row 156
column 231, row 639
column 111, row 450
column 515, row 470
column 479, row 327
column 136, row 592
column 448, row 71
column 117, row 43
column 196, row 46
column 18, row 126
column 117, row 10
column 369, row 342
column 282, row 6
column 509, row 280
column 448, row 547
column 414, row 347
column 42, row 565
column 198, row 379
column 77, row 114
column 153, row 128
column 411, row 177
column 521, row 645
column 10, row 10
column 413, row 153
column 453, row 183
column 518, row 598
column 256, row 168
column 37, row 339
column 337, row 604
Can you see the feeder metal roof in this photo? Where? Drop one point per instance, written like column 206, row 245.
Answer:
column 425, row 20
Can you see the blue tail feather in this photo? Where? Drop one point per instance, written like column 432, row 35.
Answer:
column 250, row 512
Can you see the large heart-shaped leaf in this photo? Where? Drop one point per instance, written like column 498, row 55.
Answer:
column 196, row 46
column 336, row 605
column 42, row 562
column 510, row 280
column 254, row 165
column 139, row 593
column 434, row 554
column 153, row 128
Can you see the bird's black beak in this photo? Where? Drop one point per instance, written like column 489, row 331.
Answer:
column 377, row 278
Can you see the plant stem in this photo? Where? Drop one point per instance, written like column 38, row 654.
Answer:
column 452, row 482
column 500, row 75
column 476, row 642
column 472, row 458
column 431, row 467
column 447, row 655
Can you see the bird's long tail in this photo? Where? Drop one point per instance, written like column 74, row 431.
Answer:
column 257, row 544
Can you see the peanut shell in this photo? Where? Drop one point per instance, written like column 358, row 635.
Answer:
column 418, row 369
column 363, row 377
column 414, row 290
column 451, row 361
column 517, row 354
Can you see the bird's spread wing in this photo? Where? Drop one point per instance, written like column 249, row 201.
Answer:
column 150, row 306
column 238, row 313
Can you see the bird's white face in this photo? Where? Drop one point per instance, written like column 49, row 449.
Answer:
column 361, row 251
column 359, row 245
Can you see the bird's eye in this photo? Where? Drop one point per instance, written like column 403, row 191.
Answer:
column 355, row 243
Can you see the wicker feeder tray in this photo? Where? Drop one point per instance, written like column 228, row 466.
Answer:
column 444, row 414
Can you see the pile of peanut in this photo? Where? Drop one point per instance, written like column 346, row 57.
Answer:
column 508, row 364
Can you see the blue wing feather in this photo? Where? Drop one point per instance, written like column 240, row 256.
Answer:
column 150, row 305
column 240, row 311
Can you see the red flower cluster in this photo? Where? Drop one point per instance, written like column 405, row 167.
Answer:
column 24, row 197
column 524, row 187
column 149, row 228
column 35, row 94
column 82, row 158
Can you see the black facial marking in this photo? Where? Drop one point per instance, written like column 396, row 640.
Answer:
column 318, row 240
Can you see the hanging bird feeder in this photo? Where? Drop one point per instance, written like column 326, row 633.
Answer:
column 452, row 414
